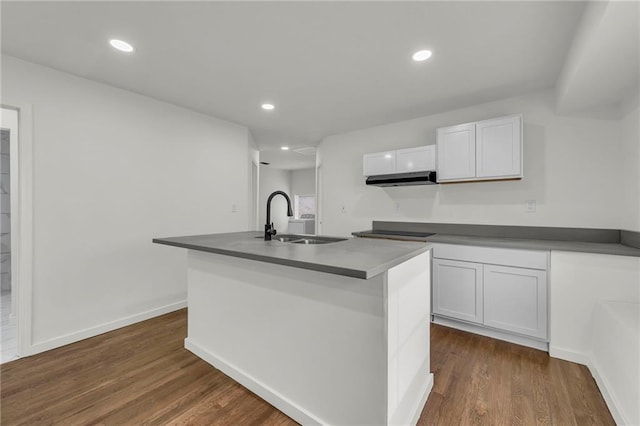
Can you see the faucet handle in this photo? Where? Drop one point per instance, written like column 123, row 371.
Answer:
column 269, row 230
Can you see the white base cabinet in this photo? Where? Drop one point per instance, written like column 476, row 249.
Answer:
column 457, row 289
column 502, row 290
column 515, row 299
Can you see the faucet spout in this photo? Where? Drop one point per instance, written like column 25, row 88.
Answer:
column 269, row 230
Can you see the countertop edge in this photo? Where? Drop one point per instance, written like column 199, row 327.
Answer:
column 355, row 273
column 544, row 245
column 610, row 248
column 336, row 270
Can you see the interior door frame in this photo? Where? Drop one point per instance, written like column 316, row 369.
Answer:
column 22, row 222
column 318, row 197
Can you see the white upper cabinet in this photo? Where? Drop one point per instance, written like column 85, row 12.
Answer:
column 498, row 148
column 418, row 159
column 379, row 163
column 456, row 152
column 485, row 150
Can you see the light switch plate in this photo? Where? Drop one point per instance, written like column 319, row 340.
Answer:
column 530, row 206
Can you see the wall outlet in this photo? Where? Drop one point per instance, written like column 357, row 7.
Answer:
column 530, row 206
column 234, row 208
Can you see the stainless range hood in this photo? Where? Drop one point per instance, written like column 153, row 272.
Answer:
column 403, row 179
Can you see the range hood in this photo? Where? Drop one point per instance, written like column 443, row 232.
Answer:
column 403, row 179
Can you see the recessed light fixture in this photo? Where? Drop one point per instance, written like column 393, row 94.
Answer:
column 121, row 45
column 421, row 55
column 268, row 107
column 284, row 148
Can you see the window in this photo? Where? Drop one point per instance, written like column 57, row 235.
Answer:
column 305, row 206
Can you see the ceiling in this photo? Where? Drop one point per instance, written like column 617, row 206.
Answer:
column 328, row 67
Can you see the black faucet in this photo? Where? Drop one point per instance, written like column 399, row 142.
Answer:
column 269, row 230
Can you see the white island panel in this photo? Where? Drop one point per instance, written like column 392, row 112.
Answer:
column 408, row 320
column 315, row 345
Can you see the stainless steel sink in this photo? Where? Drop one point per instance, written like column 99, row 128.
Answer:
column 318, row 240
column 287, row 238
column 305, row 239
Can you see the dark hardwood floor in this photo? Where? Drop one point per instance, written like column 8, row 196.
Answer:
column 484, row 381
column 141, row 374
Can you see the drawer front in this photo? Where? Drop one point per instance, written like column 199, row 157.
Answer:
column 491, row 255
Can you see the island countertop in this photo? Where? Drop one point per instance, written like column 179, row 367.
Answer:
column 354, row 257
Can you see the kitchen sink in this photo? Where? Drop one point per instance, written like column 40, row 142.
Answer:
column 305, row 239
column 286, row 238
column 318, row 240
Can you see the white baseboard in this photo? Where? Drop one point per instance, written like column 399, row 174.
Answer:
column 76, row 336
column 423, row 400
column 279, row 401
column 608, row 394
column 491, row 332
column 569, row 355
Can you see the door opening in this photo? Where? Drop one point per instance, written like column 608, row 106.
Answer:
column 8, row 267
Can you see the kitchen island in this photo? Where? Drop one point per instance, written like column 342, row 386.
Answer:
column 333, row 333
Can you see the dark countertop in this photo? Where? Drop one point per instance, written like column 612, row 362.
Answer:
column 577, row 246
column 355, row 257
column 600, row 241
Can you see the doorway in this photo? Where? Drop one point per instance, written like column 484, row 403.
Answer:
column 293, row 172
column 16, row 118
column 8, row 198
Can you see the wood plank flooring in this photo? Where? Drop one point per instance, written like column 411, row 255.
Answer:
column 141, row 374
column 484, row 381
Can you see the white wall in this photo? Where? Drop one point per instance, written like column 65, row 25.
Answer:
column 303, row 181
column 274, row 180
column 572, row 168
column 630, row 151
column 112, row 170
column 578, row 282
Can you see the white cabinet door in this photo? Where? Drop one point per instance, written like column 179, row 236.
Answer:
column 418, row 159
column 515, row 299
column 379, row 163
column 457, row 289
column 456, row 152
column 498, row 147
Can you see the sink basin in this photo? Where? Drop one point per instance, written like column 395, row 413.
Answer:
column 318, row 240
column 305, row 239
column 287, row 238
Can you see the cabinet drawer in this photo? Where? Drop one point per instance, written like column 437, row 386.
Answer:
column 491, row 255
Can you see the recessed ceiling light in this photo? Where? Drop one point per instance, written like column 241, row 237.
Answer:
column 268, row 106
column 421, row 55
column 284, row 148
column 122, row 46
